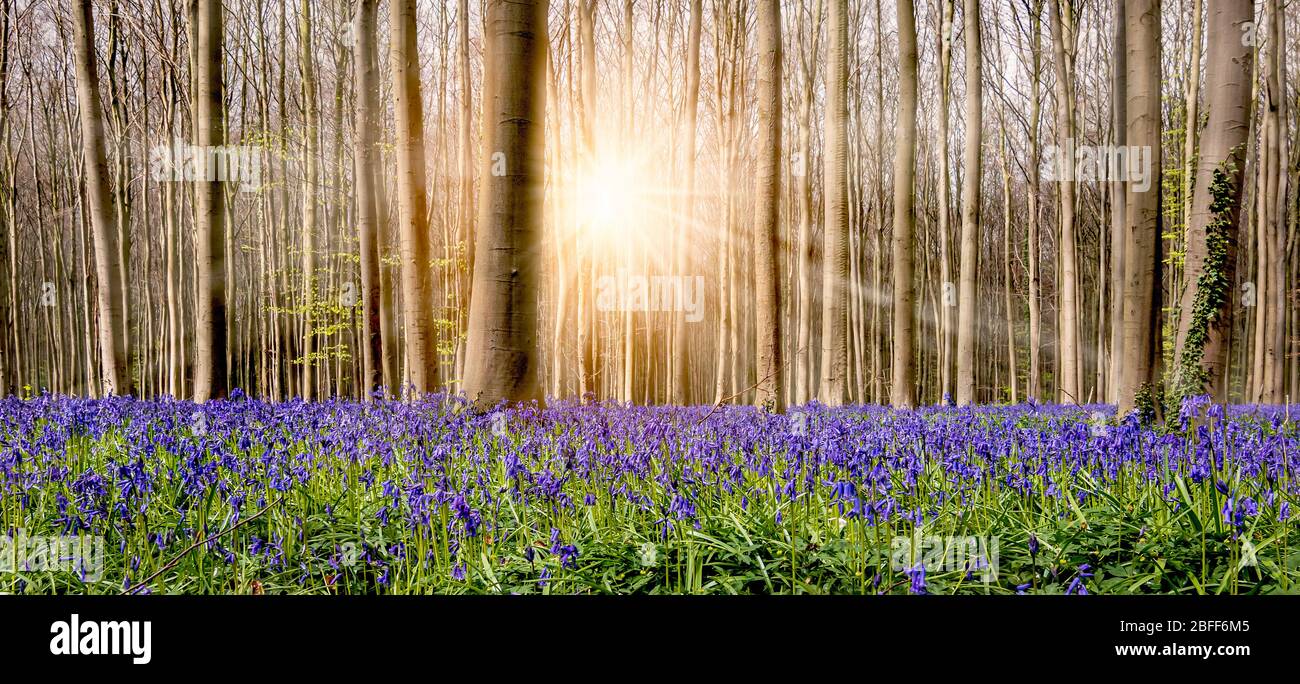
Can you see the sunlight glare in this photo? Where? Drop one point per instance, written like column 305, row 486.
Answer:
column 606, row 199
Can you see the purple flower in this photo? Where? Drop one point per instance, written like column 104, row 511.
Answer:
column 917, row 575
column 568, row 555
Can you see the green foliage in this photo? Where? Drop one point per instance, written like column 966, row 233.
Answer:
column 1211, row 288
column 1136, row 536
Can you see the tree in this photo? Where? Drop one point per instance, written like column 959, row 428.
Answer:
column 1061, row 14
column 681, row 392
column 465, row 166
column 803, row 371
column 902, row 389
column 264, row 261
column 1119, row 201
column 502, row 339
column 310, row 180
column 835, row 273
column 413, row 228
column 365, row 62
column 1141, row 302
column 587, row 60
column 767, row 213
column 1035, row 385
column 970, row 211
column 210, row 376
column 108, row 265
column 1205, row 323
column 10, row 351
column 947, row 327
column 1272, row 219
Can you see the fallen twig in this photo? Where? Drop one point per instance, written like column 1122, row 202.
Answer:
column 172, row 563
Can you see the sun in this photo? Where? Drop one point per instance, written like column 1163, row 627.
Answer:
column 607, row 200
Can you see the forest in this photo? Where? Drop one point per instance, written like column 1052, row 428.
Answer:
column 651, row 296
column 762, row 202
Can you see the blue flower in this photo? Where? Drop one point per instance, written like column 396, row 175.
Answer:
column 568, row 555
column 917, row 575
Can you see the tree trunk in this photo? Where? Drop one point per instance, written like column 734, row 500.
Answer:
column 835, row 274
column 1119, row 202
column 970, row 212
column 767, row 209
column 903, row 386
column 210, row 376
column 368, row 122
column 108, row 267
column 1068, row 335
column 465, row 225
column 1143, row 230
column 501, row 349
column 803, row 371
column 1035, row 385
column 414, row 233
column 311, row 173
column 1205, row 320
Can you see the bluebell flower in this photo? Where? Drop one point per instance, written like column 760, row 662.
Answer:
column 568, row 554
column 917, row 575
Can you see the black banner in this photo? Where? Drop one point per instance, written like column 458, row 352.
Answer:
column 173, row 635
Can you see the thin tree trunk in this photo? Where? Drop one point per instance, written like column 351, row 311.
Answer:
column 835, row 273
column 767, row 219
column 365, row 54
column 1119, row 201
column 1068, row 334
column 903, row 386
column 970, row 213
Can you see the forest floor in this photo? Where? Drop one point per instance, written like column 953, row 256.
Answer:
column 342, row 497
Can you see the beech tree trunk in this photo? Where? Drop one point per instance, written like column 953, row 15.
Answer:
column 1205, row 323
column 369, row 122
column 970, row 212
column 210, row 372
column 767, row 209
column 108, row 265
column 1143, row 230
column 500, row 351
column 835, row 274
column 903, row 387
column 414, row 233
